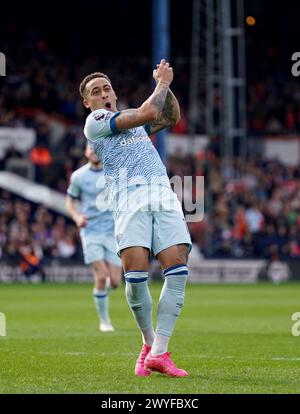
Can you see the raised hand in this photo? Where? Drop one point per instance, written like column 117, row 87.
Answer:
column 163, row 72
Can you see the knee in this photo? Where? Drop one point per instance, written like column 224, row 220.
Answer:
column 99, row 276
column 175, row 255
column 183, row 254
column 99, row 270
column 133, row 265
column 127, row 262
column 135, row 258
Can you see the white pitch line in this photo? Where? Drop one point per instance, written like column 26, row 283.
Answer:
column 243, row 357
column 102, row 354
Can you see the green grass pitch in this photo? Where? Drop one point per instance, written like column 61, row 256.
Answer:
column 232, row 339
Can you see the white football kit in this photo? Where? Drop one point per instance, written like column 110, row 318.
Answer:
column 146, row 211
column 98, row 241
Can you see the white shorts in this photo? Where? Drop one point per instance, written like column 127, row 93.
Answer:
column 151, row 217
column 100, row 247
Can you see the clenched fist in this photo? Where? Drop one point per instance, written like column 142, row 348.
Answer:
column 163, row 72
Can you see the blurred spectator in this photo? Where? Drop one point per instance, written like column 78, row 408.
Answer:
column 30, row 261
column 41, row 158
column 254, row 219
column 29, row 230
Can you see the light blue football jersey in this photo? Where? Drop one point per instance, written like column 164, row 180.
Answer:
column 128, row 157
column 87, row 184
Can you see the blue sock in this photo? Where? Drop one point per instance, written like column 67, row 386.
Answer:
column 169, row 306
column 102, row 303
column 140, row 301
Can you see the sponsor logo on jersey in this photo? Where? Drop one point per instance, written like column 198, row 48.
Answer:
column 133, row 140
column 98, row 117
column 103, row 116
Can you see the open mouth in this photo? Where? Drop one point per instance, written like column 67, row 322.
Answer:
column 108, row 105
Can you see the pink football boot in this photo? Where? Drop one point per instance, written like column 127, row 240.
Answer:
column 140, row 369
column 164, row 364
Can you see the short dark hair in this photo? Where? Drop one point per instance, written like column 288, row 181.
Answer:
column 88, row 78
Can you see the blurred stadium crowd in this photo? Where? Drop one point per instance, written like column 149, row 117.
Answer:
column 251, row 208
column 251, row 211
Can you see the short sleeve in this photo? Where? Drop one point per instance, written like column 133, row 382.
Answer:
column 100, row 124
column 74, row 187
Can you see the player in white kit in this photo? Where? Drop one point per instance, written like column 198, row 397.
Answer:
column 96, row 233
column 148, row 216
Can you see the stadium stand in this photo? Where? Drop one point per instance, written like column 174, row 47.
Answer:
column 251, row 208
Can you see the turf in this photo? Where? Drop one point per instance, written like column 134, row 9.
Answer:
column 232, row 339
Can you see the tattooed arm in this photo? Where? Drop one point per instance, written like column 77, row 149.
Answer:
column 152, row 108
column 147, row 113
column 169, row 116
